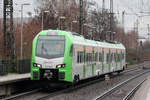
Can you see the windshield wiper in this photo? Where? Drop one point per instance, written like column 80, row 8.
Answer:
column 44, row 49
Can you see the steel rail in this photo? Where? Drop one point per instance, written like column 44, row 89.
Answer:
column 131, row 93
column 71, row 88
column 57, row 92
column 119, row 85
column 21, row 94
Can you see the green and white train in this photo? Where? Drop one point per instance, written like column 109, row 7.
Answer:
column 69, row 57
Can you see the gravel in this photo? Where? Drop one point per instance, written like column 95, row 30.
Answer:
column 90, row 92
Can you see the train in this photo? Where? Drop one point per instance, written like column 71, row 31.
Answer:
column 65, row 56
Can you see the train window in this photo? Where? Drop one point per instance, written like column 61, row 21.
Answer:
column 81, row 57
column 90, row 57
column 96, row 56
column 78, row 57
column 115, row 57
column 71, row 50
column 119, row 57
column 123, row 56
column 87, row 57
column 100, row 57
column 84, row 57
column 111, row 57
column 107, row 58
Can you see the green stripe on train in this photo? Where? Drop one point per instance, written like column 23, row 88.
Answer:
column 102, row 60
column 84, row 68
column 109, row 61
column 93, row 59
column 67, row 58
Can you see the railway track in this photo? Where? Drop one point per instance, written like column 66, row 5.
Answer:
column 136, row 67
column 131, row 93
column 109, row 93
column 45, row 96
column 21, row 94
column 78, row 86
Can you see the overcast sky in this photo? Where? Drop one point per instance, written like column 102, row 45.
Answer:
column 131, row 7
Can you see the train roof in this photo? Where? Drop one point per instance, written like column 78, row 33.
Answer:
column 79, row 39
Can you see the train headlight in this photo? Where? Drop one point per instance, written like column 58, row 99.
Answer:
column 60, row 66
column 37, row 65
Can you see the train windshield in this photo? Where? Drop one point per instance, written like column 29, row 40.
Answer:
column 50, row 46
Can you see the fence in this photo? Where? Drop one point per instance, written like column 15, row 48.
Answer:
column 3, row 67
column 21, row 66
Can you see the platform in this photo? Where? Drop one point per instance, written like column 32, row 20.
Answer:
column 10, row 78
column 143, row 93
column 9, row 82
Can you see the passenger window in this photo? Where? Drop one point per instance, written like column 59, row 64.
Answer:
column 123, row 56
column 90, row 57
column 96, row 56
column 115, row 56
column 111, row 57
column 71, row 50
column 87, row 57
column 81, row 57
column 118, row 57
column 107, row 57
column 84, row 57
column 100, row 57
column 78, row 57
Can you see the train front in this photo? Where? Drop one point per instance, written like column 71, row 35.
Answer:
column 48, row 52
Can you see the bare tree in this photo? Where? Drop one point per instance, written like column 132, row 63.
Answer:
column 101, row 20
column 69, row 9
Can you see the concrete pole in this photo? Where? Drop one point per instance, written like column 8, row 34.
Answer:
column 123, row 26
column 42, row 21
column 21, row 35
column 81, row 17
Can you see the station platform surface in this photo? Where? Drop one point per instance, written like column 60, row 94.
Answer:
column 10, row 78
column 143, row 93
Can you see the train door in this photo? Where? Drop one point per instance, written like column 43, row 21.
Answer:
column 106, row 60
column 78, row 61
column 95, row 66
column 123, row 57
column 109, row 60
column 88, row 63
column 118, row 59
column 121, row 63
column 99, row 62
column 113, row 61
column 103, row 60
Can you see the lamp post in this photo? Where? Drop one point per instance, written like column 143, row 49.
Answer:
column 113, row 36
column 72, row 24
column 61, row 17
column 21, row 50
column 42, row 23
column 91, row 27
column 81, row 17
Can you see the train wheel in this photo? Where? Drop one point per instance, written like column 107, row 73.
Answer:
column 76, row 80
column 123, row 68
